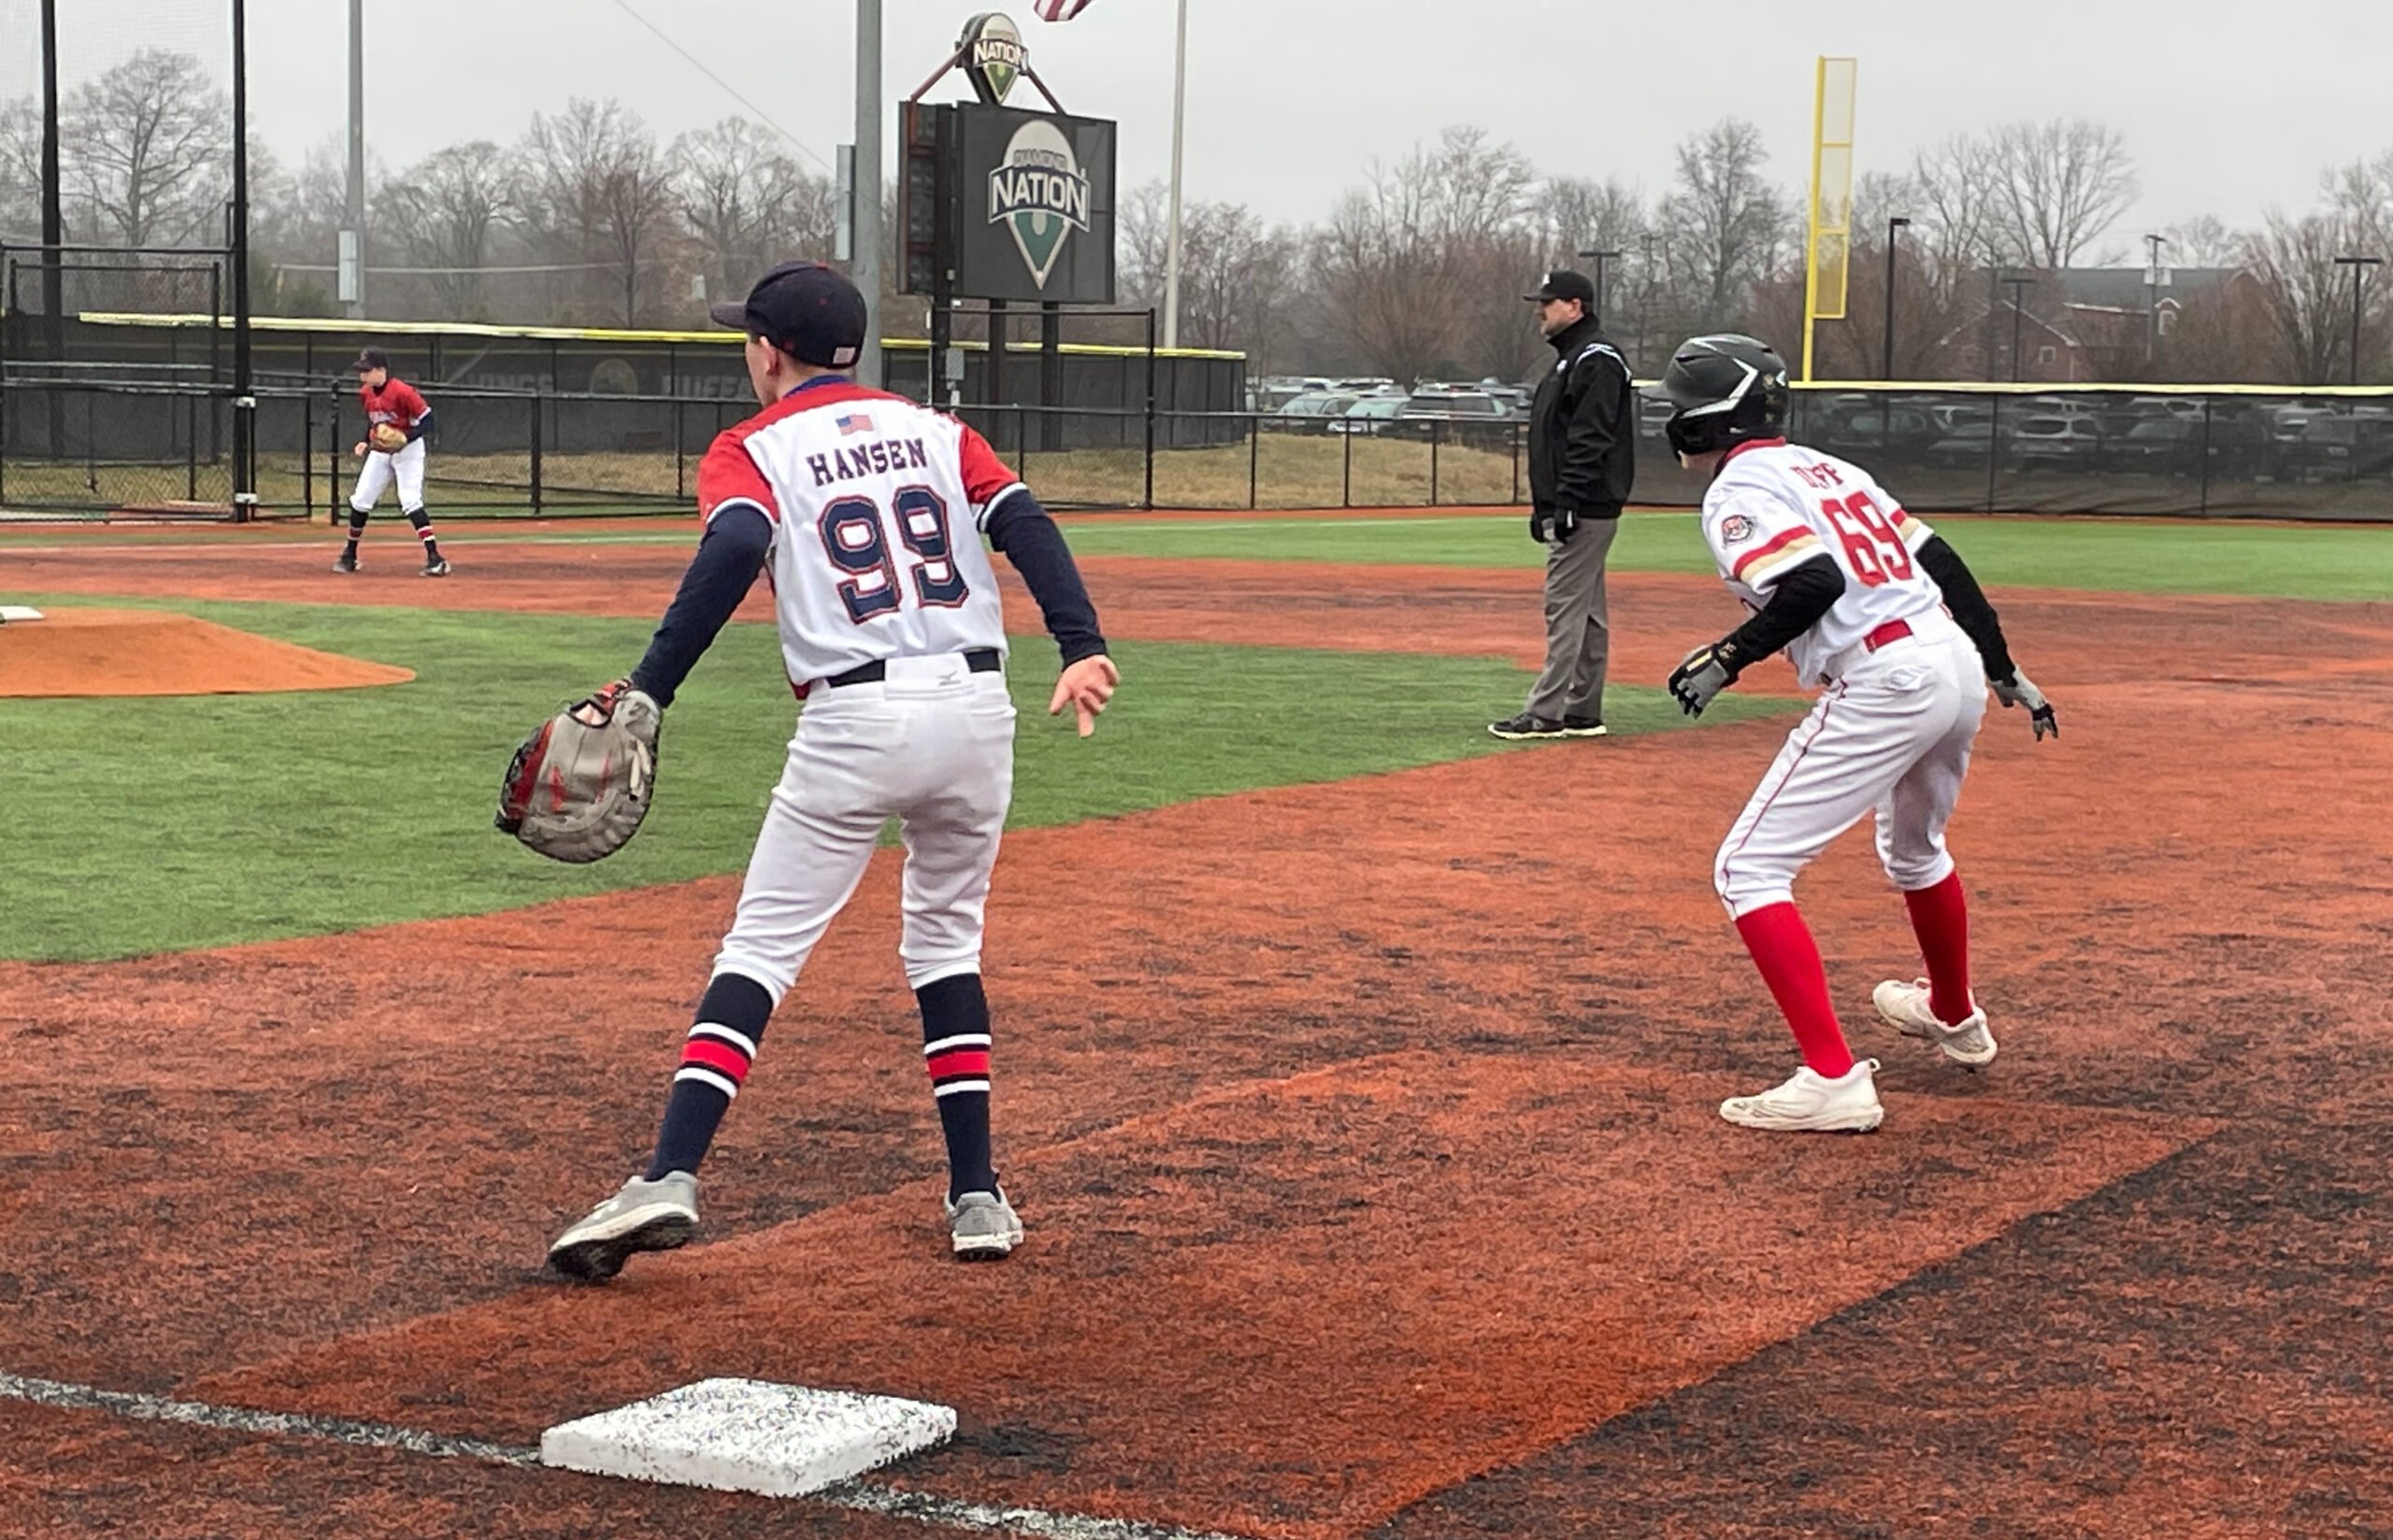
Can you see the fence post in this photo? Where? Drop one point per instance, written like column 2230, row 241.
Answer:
column 1148, row 500
column 537, row 403
column 1437, row 437
column 1346, row 474
column 1254, row 460
column 2201, row 493
column 1993, row 449
column 332, row 462
column 1516, row 460
column 679, row 491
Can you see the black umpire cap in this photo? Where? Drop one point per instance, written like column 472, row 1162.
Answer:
column 804, row 309
column 1563, row 283
column 370, row 358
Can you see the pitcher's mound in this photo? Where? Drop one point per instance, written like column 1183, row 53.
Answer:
column 158, row 652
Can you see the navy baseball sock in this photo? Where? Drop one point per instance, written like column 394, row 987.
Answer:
column 714, row 1064
column 955, row 1049
column 422, row 522
column 356, row 533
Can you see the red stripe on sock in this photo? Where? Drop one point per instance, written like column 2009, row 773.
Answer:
column 1940, row 917
column 715, row 1055
column 958, row 1062
column 1789, row 960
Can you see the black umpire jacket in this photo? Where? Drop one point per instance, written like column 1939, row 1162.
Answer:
column 1582, row 426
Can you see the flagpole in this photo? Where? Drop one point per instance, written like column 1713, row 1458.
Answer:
column 1178, row 115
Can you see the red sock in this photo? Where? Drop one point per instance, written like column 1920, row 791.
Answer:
column 1940, row 917
column 1789, row 960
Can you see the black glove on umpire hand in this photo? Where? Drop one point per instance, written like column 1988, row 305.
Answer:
column 1566, row 523
column 1703, row 674
column 1540, row 525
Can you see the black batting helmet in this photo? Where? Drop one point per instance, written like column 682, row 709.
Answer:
column 1728, row 389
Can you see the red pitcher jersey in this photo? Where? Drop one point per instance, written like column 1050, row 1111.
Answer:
column 877, row 505
column 1775, row 506
column 397, row 403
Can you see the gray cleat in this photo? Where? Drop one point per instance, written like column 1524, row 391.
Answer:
column 984, row 1226
column 658, row 1216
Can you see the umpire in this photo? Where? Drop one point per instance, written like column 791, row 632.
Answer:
column 1582, row 461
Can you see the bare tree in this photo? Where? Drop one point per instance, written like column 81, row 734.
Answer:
column 1958, row 229
column 443, row 214
column 2059, row 186
column 2205, row 241
column 1423, row 266
column 1724, row 226
column 20, row 169
column 2303, row 290
column 597, row 181
column 147, row 152
column 747, row 204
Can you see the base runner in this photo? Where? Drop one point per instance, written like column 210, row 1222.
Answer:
column 1875, row 609
column 864, row 511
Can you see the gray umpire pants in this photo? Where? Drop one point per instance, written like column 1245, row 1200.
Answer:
column 1577, row 633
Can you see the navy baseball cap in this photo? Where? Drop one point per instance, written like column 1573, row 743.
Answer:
column 1562, row 283
column 804, row 309
column 370, row 358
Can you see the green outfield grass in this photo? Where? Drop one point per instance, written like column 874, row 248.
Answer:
column 2324, row 562
column 141, row 825
column 2285, row 561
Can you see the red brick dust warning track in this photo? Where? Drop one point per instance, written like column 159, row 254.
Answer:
column 1365, row 1136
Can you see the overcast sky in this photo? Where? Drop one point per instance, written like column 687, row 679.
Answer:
column 2226, row 109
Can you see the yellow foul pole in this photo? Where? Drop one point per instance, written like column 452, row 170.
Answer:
column 1828, row 250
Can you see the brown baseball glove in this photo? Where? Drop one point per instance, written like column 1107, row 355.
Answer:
column 580, row 786
column 389, row 437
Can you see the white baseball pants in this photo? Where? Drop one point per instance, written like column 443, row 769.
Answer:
column 931, row 746
column 1893, row 734
column 376, row 474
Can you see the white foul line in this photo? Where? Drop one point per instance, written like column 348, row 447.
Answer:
column 853, row 1496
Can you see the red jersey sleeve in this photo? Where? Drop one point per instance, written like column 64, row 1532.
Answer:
column 728, row 476
column 986, row 477
column 409, row 402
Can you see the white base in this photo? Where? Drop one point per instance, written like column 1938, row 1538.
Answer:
column 17, row 612
column 749, row 1435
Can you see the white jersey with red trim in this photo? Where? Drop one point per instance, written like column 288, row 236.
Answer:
column 1774, row 506
column 877, row 504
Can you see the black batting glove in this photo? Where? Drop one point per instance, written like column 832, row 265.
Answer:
column 1540, row 526
column 1702, row 674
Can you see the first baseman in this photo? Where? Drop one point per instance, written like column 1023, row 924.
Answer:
column 864, row 511
column 397, row 419
column 1875, row 609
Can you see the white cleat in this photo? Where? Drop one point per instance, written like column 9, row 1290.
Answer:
column 1904, row 1007
column 1811, row 1102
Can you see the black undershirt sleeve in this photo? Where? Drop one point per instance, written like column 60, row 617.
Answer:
column 1022, row 530
column 1968, row 602
column 730, row 554
column 422, row 424
column 1796, row 605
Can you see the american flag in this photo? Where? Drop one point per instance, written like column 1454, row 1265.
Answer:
column 852, row 423
column 1062, row 10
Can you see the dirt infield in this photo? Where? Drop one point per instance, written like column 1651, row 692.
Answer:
column 1385, row 1199
column 82, row 651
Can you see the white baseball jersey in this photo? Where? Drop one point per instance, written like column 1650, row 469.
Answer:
column 1775, row 506
column 877, row 504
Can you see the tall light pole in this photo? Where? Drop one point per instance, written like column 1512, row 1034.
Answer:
column 2152, row 297
column 2016, row 284
column 1897, row 223
column 2358, row 267
column 864, row 262
column 1171, row 246
column 1602, row 258
column 349, row 274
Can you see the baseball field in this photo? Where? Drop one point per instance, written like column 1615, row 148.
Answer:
column 1355, row 1072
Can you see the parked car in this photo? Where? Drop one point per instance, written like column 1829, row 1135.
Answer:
column 1898, row 428
column 1312, row 412
column 2338, row 448
column 1455, row 416
column 1372, row 414
column 2161, row 446
column 2055, row 441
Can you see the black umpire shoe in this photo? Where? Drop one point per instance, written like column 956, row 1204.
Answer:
column 1525, row 727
